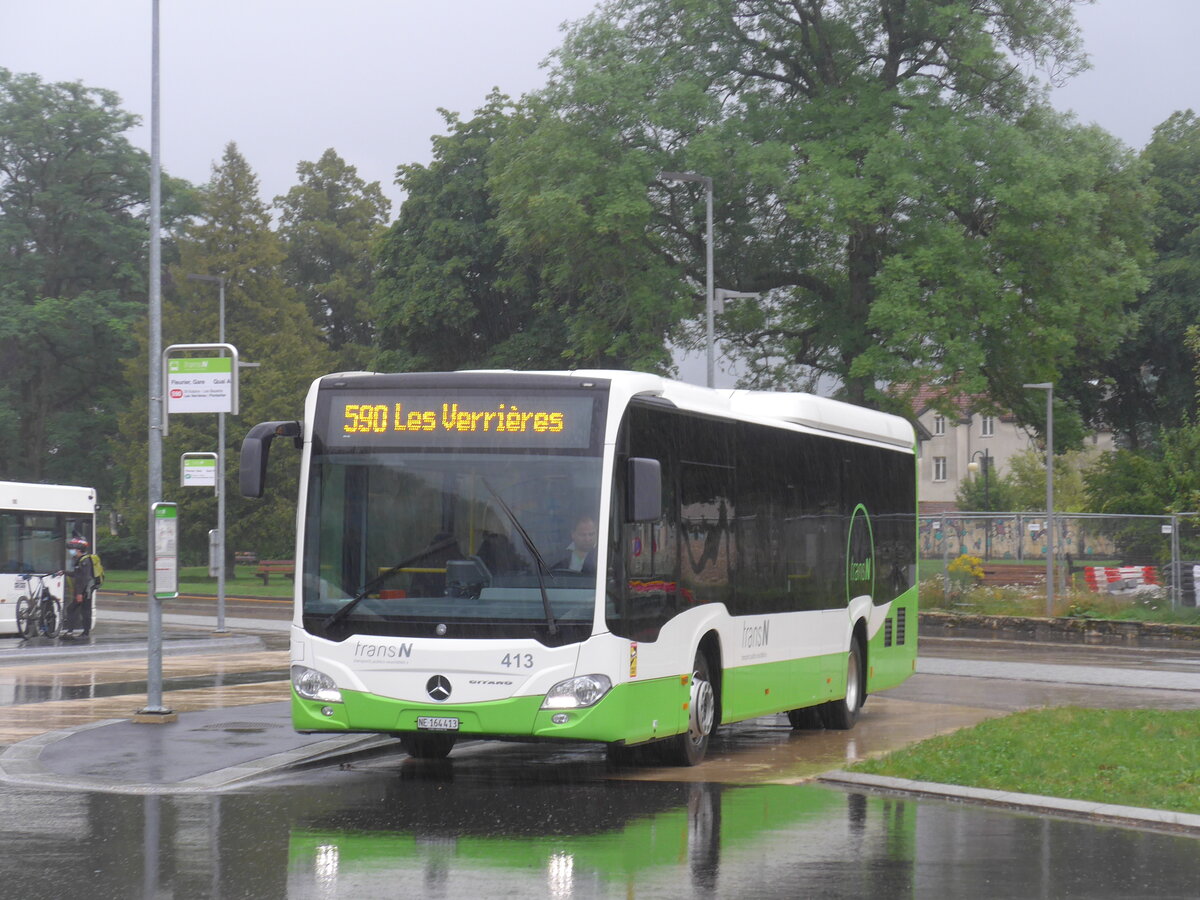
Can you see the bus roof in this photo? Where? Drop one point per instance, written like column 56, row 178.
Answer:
column 795, row 408
column 47, row 497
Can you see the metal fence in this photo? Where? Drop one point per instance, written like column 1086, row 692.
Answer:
column 1166, row 548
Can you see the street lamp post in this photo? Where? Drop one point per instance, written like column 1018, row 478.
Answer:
column 1048, row 387
column 154, row 711
column 973, row 467
column 219, row 280
column 708, row 261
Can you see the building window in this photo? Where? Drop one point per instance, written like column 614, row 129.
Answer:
column 987, row 426
column 939, row 424
column 939, row 468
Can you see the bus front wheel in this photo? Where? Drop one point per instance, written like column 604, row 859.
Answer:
column 842, row 714
column 427, row 746
column 688, row 749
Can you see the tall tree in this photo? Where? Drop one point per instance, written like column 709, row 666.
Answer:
column 459, row 286
column 447, row 298
column 329, row 223
column 1151, row 378
column 271, row 329
column 72, row 276
column 886, row 172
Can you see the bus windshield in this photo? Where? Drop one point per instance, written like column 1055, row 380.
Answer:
column 452, row 542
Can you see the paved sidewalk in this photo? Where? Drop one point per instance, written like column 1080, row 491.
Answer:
column 1062, row 674
column 203, row 751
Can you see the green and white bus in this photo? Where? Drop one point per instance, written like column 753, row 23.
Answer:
column 36, row 521
column 756, row 555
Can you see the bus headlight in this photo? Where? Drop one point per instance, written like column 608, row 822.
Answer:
column 313, row 685
column 577, row 693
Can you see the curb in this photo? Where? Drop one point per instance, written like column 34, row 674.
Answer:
column 1130, row 816
column 1065, row 629
column 57, row 652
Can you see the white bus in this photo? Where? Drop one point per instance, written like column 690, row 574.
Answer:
column 756, row 555
column 36, row 521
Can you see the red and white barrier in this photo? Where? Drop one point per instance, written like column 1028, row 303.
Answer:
column 1111, row 579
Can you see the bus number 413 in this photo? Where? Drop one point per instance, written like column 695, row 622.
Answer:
column 517, row 661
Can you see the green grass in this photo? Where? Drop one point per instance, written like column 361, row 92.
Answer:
column 1144, row 758
column 196, row 580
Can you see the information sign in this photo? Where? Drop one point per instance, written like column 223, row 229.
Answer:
column 200, row 385
column 198, row 470
column 166, row 551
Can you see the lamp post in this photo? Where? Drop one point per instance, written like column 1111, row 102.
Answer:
column 1048, row 387
column 154, row 711
column 219, row 280
column 708, row 260
column 973, row 467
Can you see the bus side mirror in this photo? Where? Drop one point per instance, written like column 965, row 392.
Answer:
column 256, row 448
column 644, row 486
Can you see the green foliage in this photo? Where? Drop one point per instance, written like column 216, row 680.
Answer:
column 72, row 189
column 885, row 176
column 1027, row 478
column 446, row 299
column 270, row 327
column 1151, row 378
column 328, row 224
column 1142, row 758
column 1156, row 481
column 986, row 493
column 491, row 264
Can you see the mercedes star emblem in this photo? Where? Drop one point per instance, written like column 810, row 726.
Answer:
column 438, row 687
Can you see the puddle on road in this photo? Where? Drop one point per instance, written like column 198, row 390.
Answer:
column 20, row 690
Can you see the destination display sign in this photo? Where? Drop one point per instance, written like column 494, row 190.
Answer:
column 456, row 418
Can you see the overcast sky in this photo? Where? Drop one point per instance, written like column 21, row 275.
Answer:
column 286, row 80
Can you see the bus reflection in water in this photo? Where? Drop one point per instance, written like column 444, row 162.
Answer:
column 641, row 840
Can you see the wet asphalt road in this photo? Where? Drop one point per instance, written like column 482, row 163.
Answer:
column 515, row 820
column 409, row 829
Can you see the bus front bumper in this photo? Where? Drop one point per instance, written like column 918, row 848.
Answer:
column 632, row 713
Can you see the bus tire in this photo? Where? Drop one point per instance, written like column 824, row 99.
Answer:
column 427, row 746
column 808, row 718
column 688, row 749
column 621, row 756
column 841, row 714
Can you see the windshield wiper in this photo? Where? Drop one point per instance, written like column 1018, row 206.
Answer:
column 540, row 564
column 380, row 579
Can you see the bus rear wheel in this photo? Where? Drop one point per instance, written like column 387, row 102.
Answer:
column 688, row 749
column 842, row 714
column 427, row 746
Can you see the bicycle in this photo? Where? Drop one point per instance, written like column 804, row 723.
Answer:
column 40, row 612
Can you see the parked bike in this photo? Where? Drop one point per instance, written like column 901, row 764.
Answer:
column 40, row 612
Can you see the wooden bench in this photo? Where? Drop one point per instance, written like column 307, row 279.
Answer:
column 1014, row 574
column 245, row 558
column 269, row 567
